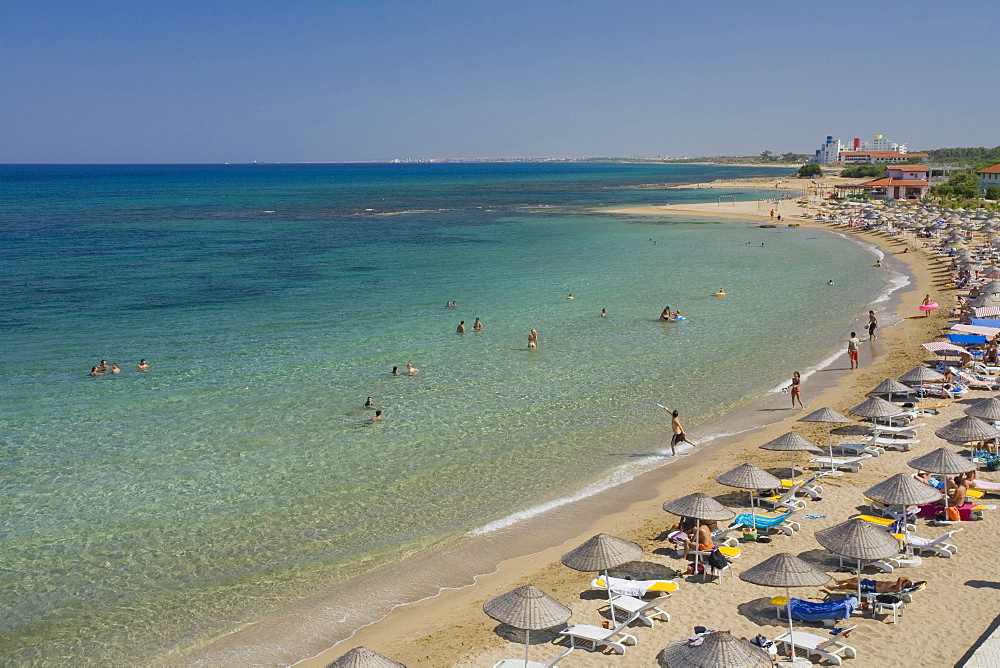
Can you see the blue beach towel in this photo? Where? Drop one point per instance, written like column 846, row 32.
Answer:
column 817, row 612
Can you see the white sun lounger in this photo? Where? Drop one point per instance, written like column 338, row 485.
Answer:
column 519, row 663
column 594, row 637
column 638, row 610
column 908, row 431
column 858, row 449
column 830, row 649
column 786, row 500
column 810, row 487
column 901, row 444
column 852, row 464
column 938, row 546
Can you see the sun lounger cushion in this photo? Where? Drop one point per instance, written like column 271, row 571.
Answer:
column 932, row 509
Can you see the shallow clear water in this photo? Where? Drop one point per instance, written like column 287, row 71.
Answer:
column 147, row 511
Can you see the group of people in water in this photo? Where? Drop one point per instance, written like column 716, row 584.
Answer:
column 103, row 369
column 670, row 316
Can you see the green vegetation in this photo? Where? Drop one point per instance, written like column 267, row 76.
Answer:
column 809, row 171
column 963, row 184
column 965, row 156
column 859, row 171
column 993, row 192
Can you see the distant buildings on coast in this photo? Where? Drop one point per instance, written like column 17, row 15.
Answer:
column 879, row 150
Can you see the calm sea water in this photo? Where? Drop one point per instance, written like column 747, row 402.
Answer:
column 148, row 511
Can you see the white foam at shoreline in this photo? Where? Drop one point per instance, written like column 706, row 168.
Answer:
column 628, row 472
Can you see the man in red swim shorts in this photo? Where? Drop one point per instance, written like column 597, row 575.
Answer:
column 852, row 349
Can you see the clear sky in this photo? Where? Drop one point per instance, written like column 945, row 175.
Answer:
column 221, row 80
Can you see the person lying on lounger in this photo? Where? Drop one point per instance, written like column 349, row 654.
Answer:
column 878, row 586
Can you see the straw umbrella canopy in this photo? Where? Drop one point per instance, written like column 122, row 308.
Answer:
column 945, row 462
column 718, row 649
column 890, row 386
column 857, row 539
column 528, row 608
column 600, row 553
column 874, row 408
column 752, row 477
column 791, row 442
column 985, row 409
column 701, row 507
column 921, row 374
column 902, row 490
column 785, row 570
column 942, row 461
column 967, row 429
column 362, row 657
column 827, row 415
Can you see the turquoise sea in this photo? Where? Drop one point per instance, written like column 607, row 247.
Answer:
column 145, row 513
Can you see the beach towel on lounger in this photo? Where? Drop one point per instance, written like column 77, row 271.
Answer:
column 817, row 612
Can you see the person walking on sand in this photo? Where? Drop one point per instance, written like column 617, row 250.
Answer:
column 853, row 344
column 872, row 325
column 678, row 431
column 533, row 339
column 796, row 389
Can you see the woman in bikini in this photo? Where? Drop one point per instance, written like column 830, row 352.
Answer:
column 796, row 389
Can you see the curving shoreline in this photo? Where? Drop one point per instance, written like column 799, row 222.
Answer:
column 446, row 628
column 451, row 630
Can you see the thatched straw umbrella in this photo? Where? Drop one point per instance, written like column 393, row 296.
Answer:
column 701, row 507
column 601, row 553
column 791, row 442
column 785, row 570
column 752, row 477
column 717, row 649
column 527, row 608
column 857, row 539
column 362, row 657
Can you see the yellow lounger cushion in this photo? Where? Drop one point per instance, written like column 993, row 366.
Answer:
column 779, row 600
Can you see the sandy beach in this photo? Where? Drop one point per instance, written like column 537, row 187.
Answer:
column 451, row 629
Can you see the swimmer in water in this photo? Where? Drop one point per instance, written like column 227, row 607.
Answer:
column 94, row 371
column 830, row 282
column 570, row 296
column 461, row 328
column 604, row 313
column 114, row 368
column 533, row 339
column 369, row 403
column 410, row 369
column 378, row 415
column 477, row 326
column 395, row 371
column 142, row 366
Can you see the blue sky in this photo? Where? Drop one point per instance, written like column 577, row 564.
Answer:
column 335, row 81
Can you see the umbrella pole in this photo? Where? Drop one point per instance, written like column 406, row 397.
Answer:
column 791, row 630
column 607, row 584
column 859, row 586
column 527, row 643
column 697, row 549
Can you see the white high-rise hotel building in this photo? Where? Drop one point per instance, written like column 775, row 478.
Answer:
column 829, row 152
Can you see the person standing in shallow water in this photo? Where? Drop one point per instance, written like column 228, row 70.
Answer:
column 872, row 325
column 477, row 326
column 533, row 339
column 678, row 431
column 461, row 328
